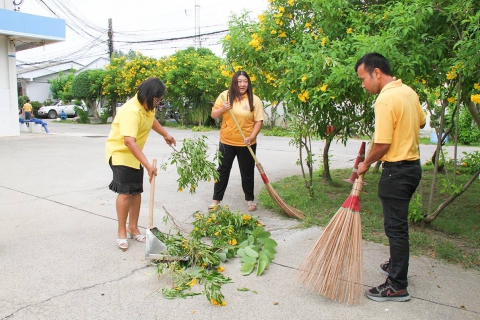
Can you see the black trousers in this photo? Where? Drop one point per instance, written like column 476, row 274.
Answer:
column 246, row 164
column 395, row 189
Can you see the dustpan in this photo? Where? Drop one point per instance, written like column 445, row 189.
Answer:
column 153, row 246
column 155, row 249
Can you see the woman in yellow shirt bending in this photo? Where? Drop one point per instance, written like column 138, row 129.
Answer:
column 129, row 132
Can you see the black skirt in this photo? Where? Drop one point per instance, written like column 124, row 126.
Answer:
column 126, row 180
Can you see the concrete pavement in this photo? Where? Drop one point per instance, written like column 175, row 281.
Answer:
column 59, row 260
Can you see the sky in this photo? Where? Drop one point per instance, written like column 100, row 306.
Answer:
column 134, row 21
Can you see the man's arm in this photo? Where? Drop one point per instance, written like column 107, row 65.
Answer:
column 377, row 152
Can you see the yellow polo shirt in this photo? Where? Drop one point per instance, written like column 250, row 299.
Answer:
column 229, row 133
column 27, row 107
column 132, row 120
column 398, row 117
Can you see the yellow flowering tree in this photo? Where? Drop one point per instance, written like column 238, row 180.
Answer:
column 194, row 79
column 294, row 52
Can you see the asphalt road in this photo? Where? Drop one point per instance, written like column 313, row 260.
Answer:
column 59, row 260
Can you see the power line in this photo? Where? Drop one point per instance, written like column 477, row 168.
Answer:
column 174, row 39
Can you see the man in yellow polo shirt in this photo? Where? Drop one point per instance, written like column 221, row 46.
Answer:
column 398, row 119
column 27, row 110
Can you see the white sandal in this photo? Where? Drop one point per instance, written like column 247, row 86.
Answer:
column 122, row 244
column 138, row 237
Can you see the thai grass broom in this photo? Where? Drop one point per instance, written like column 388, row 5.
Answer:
column 288, row 210
column 334, row 265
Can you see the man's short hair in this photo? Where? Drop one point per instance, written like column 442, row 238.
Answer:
column 374, row 60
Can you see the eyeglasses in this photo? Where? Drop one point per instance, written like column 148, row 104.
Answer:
column 157, row 102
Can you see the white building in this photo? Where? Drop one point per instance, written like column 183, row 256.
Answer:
column 20, row 31
column 33, row 81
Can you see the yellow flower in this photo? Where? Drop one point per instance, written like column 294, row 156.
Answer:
column 349, row 30
column 324, row 87
column 261, row 17
column 452, row 74
column 308, row 25
column 213, row 301
column 290, row 2
column 282, row 35
column 273, row 32
column 324, row 40
column 180, row 189
column 477, row 86
column 193, row 282
column 227, row 37
column 246, row 217
column 424, row 81
column 464, row 164
column 304, row 78
column 224, row 303
column 475, row 98
column 451, row 100
column 303, row 96
column 281, row 9
column 198, row 216
column 220, row 269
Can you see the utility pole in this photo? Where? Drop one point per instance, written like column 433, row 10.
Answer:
column 197, row 25
column 110, row 41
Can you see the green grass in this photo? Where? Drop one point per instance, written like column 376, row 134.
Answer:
column 453, row 236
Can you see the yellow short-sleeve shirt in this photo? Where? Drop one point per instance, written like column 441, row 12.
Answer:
column 229, row 133
column 132, row 120
column 27, row 107
column 398, row 117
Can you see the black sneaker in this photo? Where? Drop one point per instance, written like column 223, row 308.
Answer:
column 386, row 292
column 384, row 268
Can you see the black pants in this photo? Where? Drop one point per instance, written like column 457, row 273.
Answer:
column 395, row 189
column 247, row 170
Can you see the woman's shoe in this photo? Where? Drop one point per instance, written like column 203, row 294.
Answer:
column 138, row 237
column 251, row 207
column 213, row 207
column 122, row 244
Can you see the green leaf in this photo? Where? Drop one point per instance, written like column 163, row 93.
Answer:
column 248, row 259
column 241, row 252
column 222, row 256
column 268, row 243
column 262, row 264
column 250, row 252
column 247, row 268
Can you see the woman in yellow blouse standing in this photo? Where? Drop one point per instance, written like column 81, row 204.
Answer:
column 248, row 110
column 129, row 132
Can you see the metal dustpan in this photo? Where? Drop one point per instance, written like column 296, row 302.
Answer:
column 153, row 246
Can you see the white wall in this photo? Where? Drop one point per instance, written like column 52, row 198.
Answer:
column 8, row 89
column 38, row 89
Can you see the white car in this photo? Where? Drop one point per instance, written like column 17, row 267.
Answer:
column 54, row 111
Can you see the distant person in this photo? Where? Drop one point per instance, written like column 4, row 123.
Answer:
column 128, row 134
column 398, row 119
column 27, row 110
column 248, row 110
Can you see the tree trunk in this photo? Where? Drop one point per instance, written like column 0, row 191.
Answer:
column 326, row 167
column 444, row 204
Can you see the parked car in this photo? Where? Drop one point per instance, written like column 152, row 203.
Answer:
column 54, row 111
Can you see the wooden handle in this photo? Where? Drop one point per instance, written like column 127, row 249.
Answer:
column 241, row 132
column 152, row 195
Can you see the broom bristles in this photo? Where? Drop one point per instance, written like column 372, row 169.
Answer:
column 288, row 210
column 334, row 265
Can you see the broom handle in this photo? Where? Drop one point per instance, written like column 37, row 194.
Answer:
column 152, row 194
column 241, row 132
